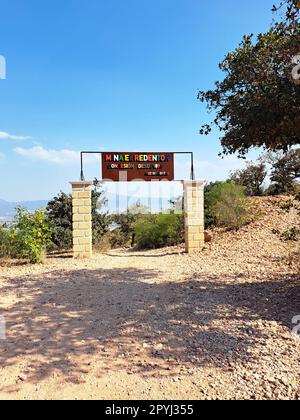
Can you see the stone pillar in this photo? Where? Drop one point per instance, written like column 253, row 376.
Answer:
column 82, row 219
column 194, row 215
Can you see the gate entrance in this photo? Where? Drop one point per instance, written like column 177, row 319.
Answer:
column 143, row 167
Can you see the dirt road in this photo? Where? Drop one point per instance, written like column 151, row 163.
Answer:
column 154, row 325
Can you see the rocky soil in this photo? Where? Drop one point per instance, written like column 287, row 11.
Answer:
column 159, row 324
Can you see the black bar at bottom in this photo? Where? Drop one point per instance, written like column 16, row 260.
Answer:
column 141, row 409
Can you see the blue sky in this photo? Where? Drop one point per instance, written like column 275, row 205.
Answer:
column 111, row 75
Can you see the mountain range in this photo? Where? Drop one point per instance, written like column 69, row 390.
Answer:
column 7, row 208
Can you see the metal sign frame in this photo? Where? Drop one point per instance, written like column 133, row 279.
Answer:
column 192, row 175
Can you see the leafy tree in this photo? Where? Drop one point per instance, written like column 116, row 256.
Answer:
column 124, row 234
column 59, row 215
column 291, row 8
column 257, row 104
column 252, row 178
column 286, row 171
column 100, row 220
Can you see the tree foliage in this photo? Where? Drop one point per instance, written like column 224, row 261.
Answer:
column 100, row 219
column 59, row 215
column 286, row 171
column 291, row 9
column 252, row 178
column 125, row 222
column 163, row 230
column 257, row 103
column 29, row 235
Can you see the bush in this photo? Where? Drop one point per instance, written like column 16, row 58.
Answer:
column 4, row 242
column 124, row 233
column 59, row 216
column 29, row 235
column 110, row 240
column 225, row 205
column 163, row 230
column 274, row 189
column 103, row 243
column 209, row 191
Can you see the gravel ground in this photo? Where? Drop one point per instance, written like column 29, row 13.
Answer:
column 156, row 325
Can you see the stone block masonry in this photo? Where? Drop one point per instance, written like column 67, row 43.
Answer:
column 194, row 215
column 82, row 219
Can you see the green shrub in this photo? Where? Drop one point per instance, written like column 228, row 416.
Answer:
column 210, row 193
column 4, row 242
column 124, row 234
column 59, row 216
column 29, row 235
column 163, row 230
column 225, row 205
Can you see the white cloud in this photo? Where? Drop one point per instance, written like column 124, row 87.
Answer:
column 7, row 136
column 58, row 157
column 2, row 155
column 218, row 169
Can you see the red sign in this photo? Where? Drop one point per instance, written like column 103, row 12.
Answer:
column 122, row 167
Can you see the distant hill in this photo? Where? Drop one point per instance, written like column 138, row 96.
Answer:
column 7, row 209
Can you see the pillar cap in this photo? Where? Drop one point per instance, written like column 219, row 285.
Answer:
column 81, row 184
column 191, row 183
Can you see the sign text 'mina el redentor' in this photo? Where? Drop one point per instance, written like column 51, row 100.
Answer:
column 137, row 157
column 137, row 166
